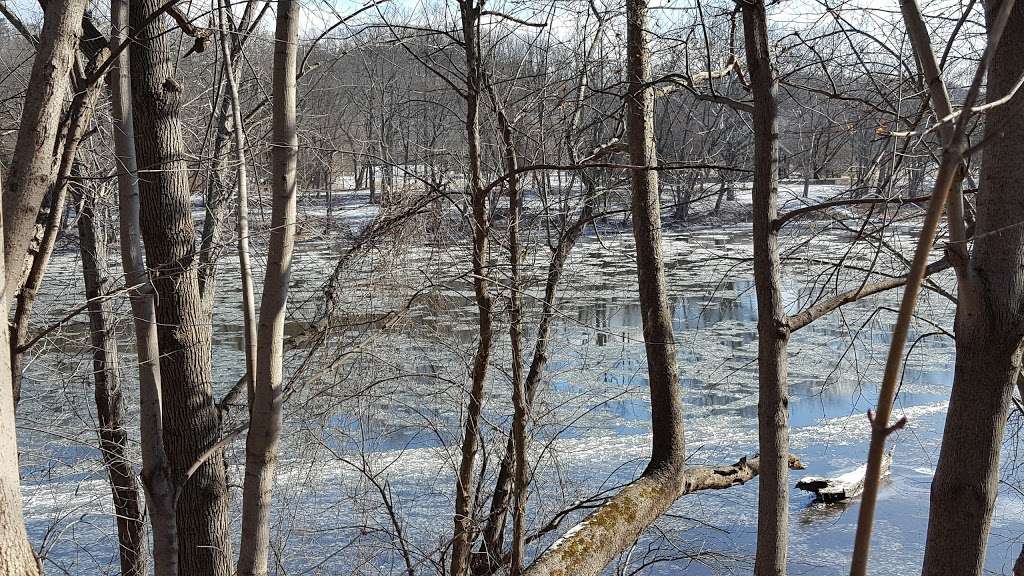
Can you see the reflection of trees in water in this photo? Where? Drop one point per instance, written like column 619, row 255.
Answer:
column 601, row 322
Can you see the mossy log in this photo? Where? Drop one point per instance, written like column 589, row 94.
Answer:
column 588, row 547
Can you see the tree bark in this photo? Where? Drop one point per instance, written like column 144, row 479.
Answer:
column 31, row 174
column 110, row 409
column 156, row 473
column 462, row 536
column 191, row 420
column 32, row 168
column 772, row 324
column 989, row 331
column 265, row 421
column 77, row 121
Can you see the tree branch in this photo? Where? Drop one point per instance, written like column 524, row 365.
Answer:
column 819, row 309
column 797, row 212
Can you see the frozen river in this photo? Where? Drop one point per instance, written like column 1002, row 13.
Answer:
column 388, row 414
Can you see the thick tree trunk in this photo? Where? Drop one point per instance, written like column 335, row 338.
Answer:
column 16, row 555
column 31, row 174
column 592, row 544
column 667, row 450
column 989, row 332
column 772, row 323
column 465, row 493
column 265, row 420
column 110, row 408
column 191, row 420
column 156, row 474
column 32, row 168
column 77, row 121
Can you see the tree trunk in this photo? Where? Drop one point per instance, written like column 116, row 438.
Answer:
column 109, row 402
column 989, row 332
column 31, row 174
column 191, row 420
column 667, row 451
column 32, row 168
column 265, row 421
column 156, row 475
column 772, row 323
column 77, row 121
column 17, row 558
column 242, row 187
column 520, row 402
column 616, row 524
column 462, row 536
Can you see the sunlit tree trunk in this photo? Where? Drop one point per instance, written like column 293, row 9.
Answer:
column 32, row 168
column 191, row 420
column 156, row 474
column 31, row 174
column 772, row 323
column 16, row 555
column 265, row 420
column 989, row 331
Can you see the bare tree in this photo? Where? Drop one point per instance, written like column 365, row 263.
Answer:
column 190, row 417
column 265, row 413
column 772, row 324
column 989, row 332
column 30, row 175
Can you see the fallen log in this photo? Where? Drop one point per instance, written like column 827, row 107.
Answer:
column 588, row 547
column 842, row 487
